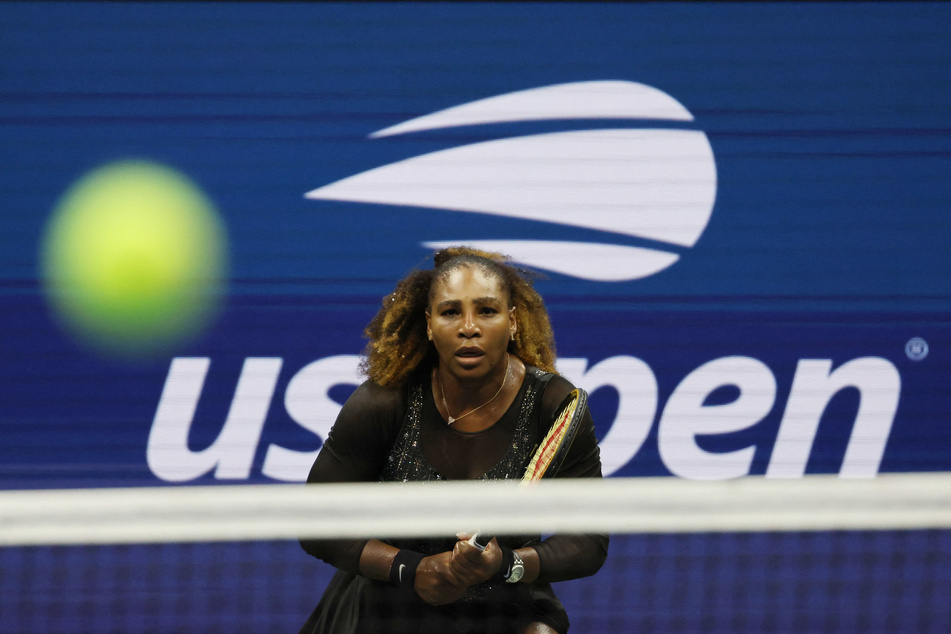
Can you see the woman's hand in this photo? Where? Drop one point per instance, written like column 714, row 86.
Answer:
column 472, row 565
column 436, row 582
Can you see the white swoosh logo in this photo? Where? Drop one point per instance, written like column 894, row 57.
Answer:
column 653, row 184
column 401, row 572
column 577, row 100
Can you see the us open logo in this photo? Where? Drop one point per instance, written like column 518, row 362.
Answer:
column 653, row 186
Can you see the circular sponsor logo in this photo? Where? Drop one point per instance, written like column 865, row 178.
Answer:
column 916, row 348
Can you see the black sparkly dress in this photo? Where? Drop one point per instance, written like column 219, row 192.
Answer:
column 399, row 436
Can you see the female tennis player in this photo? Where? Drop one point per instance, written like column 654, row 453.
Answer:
column 462, row 385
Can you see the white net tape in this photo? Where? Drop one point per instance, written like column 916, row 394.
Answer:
column 614, row 505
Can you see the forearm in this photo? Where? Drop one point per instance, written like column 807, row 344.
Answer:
column 344, row 554
column 565, row 557
column 376, row 560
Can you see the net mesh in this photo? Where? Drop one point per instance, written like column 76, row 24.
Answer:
column 884, row 579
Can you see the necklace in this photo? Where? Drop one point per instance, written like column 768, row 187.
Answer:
column 445, row 405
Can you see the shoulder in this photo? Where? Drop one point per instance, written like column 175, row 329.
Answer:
column 370, row 394
column 372, row 408
column 361, row 436
column 548, row 377
column 553, row 387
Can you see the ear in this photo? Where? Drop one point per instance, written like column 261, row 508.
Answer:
column 429, row 329
column 513, row 323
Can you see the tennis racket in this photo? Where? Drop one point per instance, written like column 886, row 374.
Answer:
column 553, row 449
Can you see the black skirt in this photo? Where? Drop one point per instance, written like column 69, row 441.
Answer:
column 353, row 604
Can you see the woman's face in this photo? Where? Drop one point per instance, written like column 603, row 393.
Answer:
column 470, row 322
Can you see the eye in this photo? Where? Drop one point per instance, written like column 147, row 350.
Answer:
column 488, row 310
column 449, row 312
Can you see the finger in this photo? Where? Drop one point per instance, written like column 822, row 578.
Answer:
column 465, row 569
column 465, row 549
column 437, row 571
column 480, row 540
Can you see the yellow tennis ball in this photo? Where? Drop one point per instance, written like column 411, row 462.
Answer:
column 134, row 259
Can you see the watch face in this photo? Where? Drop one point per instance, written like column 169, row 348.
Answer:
column 518, row 569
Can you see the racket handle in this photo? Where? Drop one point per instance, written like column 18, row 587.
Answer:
column 480, row 540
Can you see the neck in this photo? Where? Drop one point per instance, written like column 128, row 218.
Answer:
column 461, row 398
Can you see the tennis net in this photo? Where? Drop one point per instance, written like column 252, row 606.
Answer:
column 749, row 555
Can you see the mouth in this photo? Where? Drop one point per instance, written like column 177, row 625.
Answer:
column 470, row 352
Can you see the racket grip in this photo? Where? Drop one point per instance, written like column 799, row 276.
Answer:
column 481, row 540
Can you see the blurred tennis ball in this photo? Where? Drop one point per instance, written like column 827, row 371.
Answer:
column 134, row 259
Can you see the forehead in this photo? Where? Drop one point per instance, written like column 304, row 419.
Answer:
column 467, row 281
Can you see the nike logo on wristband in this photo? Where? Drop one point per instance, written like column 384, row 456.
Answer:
column 508, row 573
column 401, row 572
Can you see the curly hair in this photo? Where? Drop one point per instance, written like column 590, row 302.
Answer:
column 398, row 346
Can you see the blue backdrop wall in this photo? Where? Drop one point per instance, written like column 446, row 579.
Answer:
column 755, row 216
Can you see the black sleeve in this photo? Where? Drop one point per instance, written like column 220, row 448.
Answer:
column 563, row 557
column 355, row 451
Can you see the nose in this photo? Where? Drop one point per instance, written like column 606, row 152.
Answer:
column 468, row 327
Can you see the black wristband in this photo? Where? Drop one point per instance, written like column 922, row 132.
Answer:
column 506, row 569
column 403, row 568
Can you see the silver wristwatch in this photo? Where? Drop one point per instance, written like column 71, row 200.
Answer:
column 517, row 570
